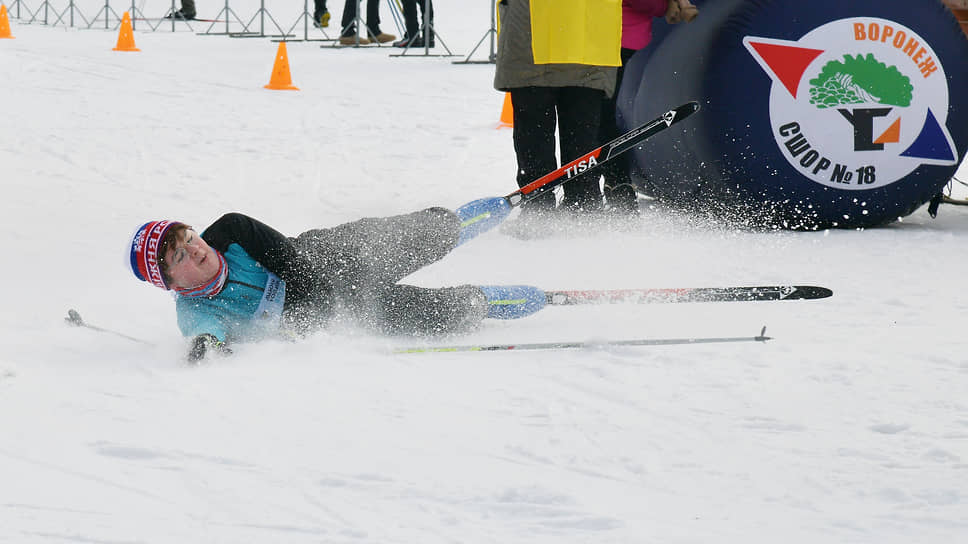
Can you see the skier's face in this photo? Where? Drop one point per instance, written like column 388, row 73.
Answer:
column 191, row 262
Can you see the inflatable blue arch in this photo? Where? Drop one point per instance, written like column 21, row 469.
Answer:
column 819, row 114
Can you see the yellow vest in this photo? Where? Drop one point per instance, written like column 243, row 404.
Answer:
column 576, row 32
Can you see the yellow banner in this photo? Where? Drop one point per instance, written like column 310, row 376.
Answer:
column 577, row 32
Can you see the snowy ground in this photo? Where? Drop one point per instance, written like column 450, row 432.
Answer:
column 850, row 426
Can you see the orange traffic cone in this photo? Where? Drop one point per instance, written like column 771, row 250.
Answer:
column 126, row 35
column 281, row 80
column 4, row 23
column 507, row 113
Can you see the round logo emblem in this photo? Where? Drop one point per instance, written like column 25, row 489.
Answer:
column 857, row 103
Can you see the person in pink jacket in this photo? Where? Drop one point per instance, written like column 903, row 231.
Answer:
column 637, row 16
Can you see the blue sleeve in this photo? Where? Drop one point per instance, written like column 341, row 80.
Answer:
column 196, row 319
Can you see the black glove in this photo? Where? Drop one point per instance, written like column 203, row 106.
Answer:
column 205, row 343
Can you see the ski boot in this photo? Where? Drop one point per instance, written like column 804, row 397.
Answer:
column 513, row 301
column 481, row 216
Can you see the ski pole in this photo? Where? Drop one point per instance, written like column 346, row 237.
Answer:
column 583, row 345
column 74, row 318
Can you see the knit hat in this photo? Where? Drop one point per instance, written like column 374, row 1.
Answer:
column 144, row 252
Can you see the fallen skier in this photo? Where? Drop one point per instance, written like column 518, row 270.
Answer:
column 240, row 280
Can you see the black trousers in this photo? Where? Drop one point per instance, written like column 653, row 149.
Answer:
column 319, row 8
column 410, row 16
column 576, row 112
column 617, row 171
column 372, row 17
column 357, row 268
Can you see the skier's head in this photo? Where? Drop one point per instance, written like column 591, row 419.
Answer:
column 171, row 255
column 147, row 250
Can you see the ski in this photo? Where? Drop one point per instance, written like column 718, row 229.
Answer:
column 697, row 294
column 605, row 344
column 595, row 158
column 484, row 214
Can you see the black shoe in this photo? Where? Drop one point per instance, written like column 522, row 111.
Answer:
column 583, row 205
column 622, row 200
column 535, row 220
column 181, row 15
column 415, row 42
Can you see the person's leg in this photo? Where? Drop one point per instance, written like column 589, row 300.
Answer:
column 619, row 192
column 578, row 134
column 347, row 23
column 410, row 18
column 373, row 18
column 188, row 9
column 384, row 250
column 534, row 139
column 412, row 27
column 405, row 309
column 320, row 13
column 409, row 310
column 428, row 19
column 613, row 173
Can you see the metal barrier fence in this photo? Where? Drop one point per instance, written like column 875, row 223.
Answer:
column 227, row 22
column 261, row 24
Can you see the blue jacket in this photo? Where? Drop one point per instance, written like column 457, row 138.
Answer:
column 266, row 273
column 281, row 286
column 249, row 307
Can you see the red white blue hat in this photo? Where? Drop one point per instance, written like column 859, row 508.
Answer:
column 144, row 252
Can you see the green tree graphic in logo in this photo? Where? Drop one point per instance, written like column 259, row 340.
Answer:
column 858, row 80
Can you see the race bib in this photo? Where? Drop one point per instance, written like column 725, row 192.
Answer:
column 269, row 312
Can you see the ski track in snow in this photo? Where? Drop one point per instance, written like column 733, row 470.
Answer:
column 850, row 426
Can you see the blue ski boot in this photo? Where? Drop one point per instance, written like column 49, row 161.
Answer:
column 512, row 301
column 481, row 215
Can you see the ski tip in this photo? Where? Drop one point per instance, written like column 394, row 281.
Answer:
column 681, row 112
column 822, row 292
column 688, row 108
column 810, row 292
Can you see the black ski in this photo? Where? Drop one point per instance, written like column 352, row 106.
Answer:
column 594, row 159
column 696, row 294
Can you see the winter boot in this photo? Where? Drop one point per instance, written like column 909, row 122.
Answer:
column 383, row 37
column 512, row 301
column 353, row 40
column 321, row 20
column 534, row 219
column 181, row 15
column 416, row 42
column 481, row 216
column 622, row 200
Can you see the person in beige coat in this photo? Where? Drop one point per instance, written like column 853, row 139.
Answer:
column 546, row 94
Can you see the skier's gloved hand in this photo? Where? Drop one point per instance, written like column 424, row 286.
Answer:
column 204, row 344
